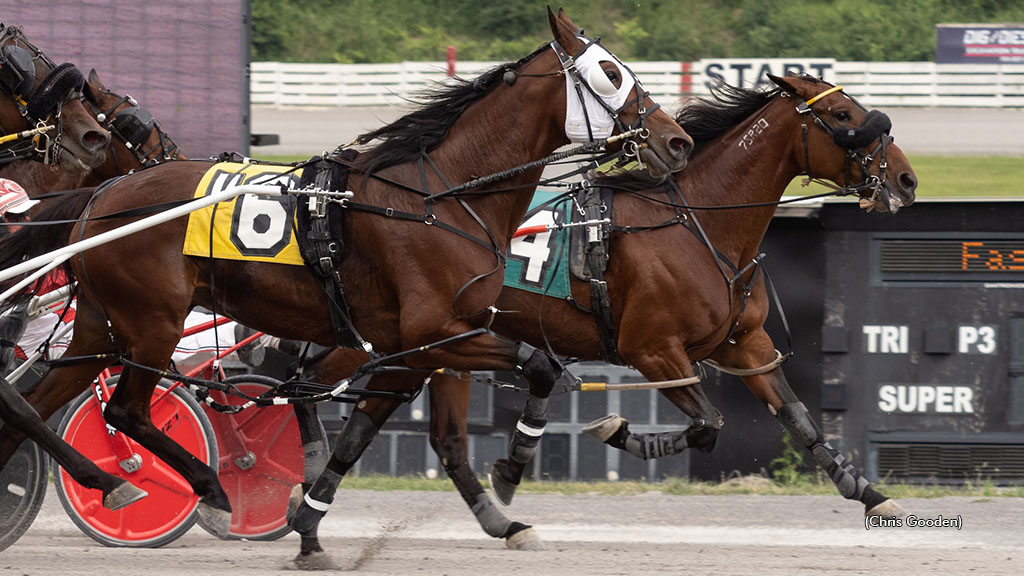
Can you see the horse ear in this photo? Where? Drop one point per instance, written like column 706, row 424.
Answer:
column 564, row 31
column 783, row 83
column 94, row 80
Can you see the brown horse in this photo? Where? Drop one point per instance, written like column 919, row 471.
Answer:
column 36, row 92
column 676, row 298
column 426, row 283
column 137, row 139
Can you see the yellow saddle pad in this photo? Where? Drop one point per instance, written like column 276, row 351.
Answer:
column 248, row 227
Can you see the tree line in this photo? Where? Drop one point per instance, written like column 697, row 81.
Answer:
column 361, row 31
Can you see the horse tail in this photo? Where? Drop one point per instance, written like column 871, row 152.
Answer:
column 31, row 241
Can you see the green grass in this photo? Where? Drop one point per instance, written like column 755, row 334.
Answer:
column 938, row 176
column 808, row 484
column 956, row 177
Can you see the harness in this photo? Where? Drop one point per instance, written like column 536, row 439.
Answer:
column 875, row 126
column 579, row 84
column 319, row 237
column 133, row 125
column 39, row 106
column 595, row 202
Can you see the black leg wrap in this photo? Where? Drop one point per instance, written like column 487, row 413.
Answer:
column 357, row 434
column 649, row 446
column 529, row 430
column 535, row 363
column 844, row 475
column 315, row 503
column 359, row 431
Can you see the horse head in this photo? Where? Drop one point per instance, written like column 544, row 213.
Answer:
column 604, row 97
column 142, row 141
column 849, row 142
column 39, row 93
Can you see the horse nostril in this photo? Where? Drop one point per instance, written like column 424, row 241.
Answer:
column 94, row 139
column 908, row 181
column 680, row 146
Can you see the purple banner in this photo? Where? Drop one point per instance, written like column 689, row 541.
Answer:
column 979, row 44
column 183, row 61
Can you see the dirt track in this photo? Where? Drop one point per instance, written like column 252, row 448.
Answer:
column 376, row 533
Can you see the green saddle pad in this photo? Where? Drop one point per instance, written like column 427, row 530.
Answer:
column 540, row 262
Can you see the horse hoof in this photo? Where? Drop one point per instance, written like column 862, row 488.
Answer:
column 126, row 493
column 888, row 509
column 605, row 427
column 294, row 501
column 215, row 520
column 313, row 561
column 499, row 478
column 525, row 540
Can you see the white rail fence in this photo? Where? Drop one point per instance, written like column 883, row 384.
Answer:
column 874, row 83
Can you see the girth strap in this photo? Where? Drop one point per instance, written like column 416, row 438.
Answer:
column 596, row 261
column 322, row 252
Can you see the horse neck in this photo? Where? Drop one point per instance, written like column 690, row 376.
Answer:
column 38, row 178
column 727, row 173
column 497, row 133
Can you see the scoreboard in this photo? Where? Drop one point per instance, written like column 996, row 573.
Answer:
column 923, row 340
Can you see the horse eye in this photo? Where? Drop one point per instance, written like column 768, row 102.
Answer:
column 613, row 76
column 842, row 116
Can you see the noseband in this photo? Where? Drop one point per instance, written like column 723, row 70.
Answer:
column 133, row 126
column 876, row 126
column 569, row 68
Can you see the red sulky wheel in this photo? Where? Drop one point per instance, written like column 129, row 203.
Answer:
column 170, row 510
column 261, row 459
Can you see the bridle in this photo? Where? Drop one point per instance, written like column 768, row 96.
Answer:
column 576, row 76
column 875, row 126
column 17, row 82
column 133, row 125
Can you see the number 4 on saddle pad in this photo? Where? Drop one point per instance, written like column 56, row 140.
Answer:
column 540, row 262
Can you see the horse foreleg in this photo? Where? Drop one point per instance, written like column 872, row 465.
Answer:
column 756, row 349
column 360, row 429
column 541, row 371
column 449, row 403
column 705, row 422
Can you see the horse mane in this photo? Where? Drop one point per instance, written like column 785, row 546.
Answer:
column 423, row 129
column 707, row 118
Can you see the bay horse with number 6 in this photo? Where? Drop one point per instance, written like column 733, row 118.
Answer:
column 410, row 283
column 678, row 279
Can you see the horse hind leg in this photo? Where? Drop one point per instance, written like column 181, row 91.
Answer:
column 702, row 433
column 795, row 418
column 129, row 411
column 360, row 429
column 17, row 413
column 449, row 403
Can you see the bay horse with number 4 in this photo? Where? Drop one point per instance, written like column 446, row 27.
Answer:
column 411, row 283
column 678, row 279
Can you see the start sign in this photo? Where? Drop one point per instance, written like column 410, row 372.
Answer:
column 753, row 72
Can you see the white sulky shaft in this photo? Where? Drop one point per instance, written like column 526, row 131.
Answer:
column 148, row 222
